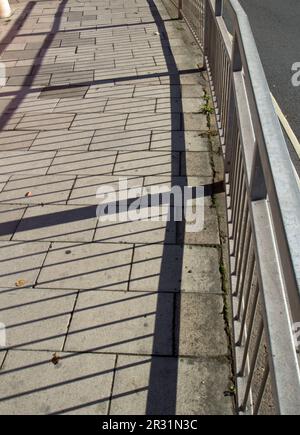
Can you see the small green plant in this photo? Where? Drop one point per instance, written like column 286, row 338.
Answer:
column 207, row 109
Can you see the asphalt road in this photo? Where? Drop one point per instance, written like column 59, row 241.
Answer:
column 276, row 28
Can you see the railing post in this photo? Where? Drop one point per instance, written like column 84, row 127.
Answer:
column 5, row 10
column 236, row 65
column 180, row 10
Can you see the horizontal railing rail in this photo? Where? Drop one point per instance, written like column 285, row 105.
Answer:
column 263, row 204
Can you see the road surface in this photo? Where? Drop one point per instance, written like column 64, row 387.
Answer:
column 276, row 28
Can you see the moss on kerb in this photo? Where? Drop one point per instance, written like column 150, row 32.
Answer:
column 216, row 153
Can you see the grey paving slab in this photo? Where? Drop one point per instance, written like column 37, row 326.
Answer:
column 129, row 228
column 192, row 91
column 184, row 386
column 45, row 189
column 174, row 268
column 81, row 105
column 82, row 77
column 86, row 188
column 57, row 223
column 122, row 322
column 62, row 140
column 21, row 262
column 38, row 80
column 91, row 163
column 87, row 266
column 196, row 163
column 10, row 216
column 179, row 141
column 85, row 121
column 195, row 121
column 165, row 182
column 32, row 105
column 3, row 181
column 206, row 234
column 131, row 105
column 181, row 105
column 121, row 140
column 147, row 163
column 77, row 384
column 14, row 162
column 48, row 121
column 19, row 54
column 63, row 92
column 156, row 121
column 9, row 121
column 201, row 324
column 36, row 318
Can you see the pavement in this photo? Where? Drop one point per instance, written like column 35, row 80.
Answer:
column 101, row 317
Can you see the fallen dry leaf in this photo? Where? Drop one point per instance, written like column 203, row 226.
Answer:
column 55, row 359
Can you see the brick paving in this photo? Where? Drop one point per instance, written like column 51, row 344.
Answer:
column 106, row 318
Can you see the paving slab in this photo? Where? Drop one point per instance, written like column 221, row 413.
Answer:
column 3, row 181
column 77, row 384
column 16, row 140
column 62, row 140
column 85, row 190
column 196, row 163
column 10, row 216
column 126, row 228
column 156, row 121
column 57, row 223
column 122, row 322
column 45, row 189
column 184, row 386
column 206, row 234
column 195, row 122
column 94, row 265
column 79, row 163
column 84, row 121
column 201, row 324
column 179, row 141
column 14, row 162
column 21, row 263
column 174, row 268
column 47, row 121
column 121, row 140
column 36, row 318
column 81, row 105
column 147, row 163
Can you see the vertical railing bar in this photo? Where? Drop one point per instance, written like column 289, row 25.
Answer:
column 252, row 365
column 238, row 243
column 242, row 261
column 236, row 197
column 262, row 389
column 242, row 290
column 237, row 216
column 235, row 174
column 249, row 330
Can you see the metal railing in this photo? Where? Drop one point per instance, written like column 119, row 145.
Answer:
column 263, row 204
